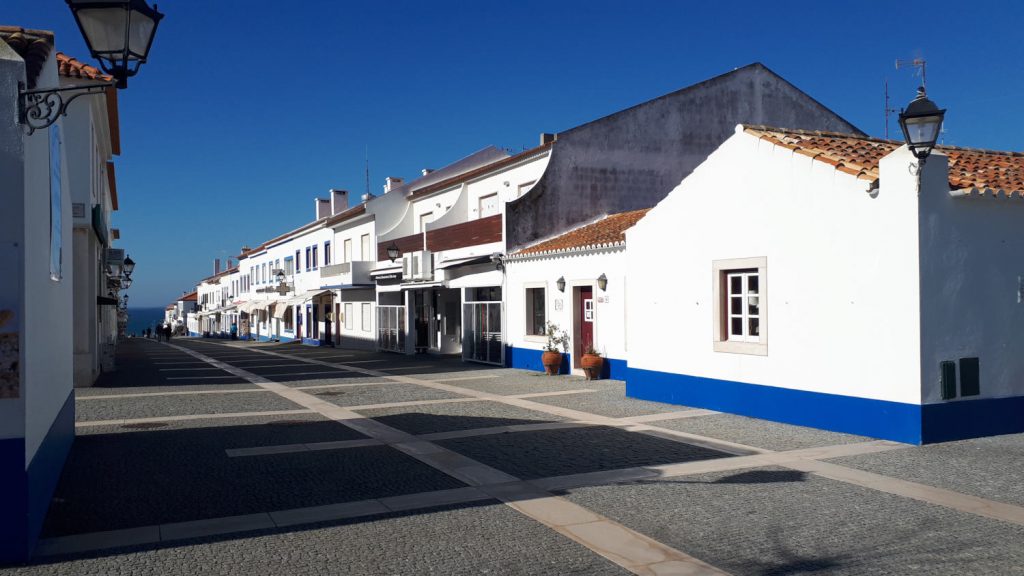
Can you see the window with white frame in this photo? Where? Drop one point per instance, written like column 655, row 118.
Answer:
column 289, row 265
column 740, row 302
column 367, row 317
column 348, row 315
column 525, row 187
column 536, row 313
column 426, row 219
column 364, row 251
column 488, row 205
column 327, row 253
column 348, row 250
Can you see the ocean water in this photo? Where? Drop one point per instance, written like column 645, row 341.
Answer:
column 141, row 318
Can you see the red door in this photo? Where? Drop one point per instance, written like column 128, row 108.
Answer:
column 586, row 318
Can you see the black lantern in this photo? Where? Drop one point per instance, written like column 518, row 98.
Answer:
column 394, row 252
column 279, row 276
column 129, row 266
column 602, row 282
column 119, row 33
column 921, row 123
column 560, row 283
column 126, row 282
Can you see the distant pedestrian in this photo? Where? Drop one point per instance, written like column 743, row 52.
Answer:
column 168, row 331
column 147, row 333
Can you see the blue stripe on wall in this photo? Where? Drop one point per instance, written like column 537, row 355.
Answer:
column 876, row 418
column 25, row 494
column 13, row 502
column 973, row 418
column 529, row 359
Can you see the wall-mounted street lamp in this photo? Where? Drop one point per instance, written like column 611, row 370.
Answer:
column 126, row 282
column 560, row 283
column 394, row 252
column 119, row 34
column 921, row 123
column 129, row 266
column 498, row 261
column 602, row 282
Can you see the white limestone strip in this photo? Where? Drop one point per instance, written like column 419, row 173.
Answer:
column 215, row 526
column 407, row 367
column 307, row 373
column 669, row 416
column 696, row 440
column 492, row 430
column 412, row 403
column 176, row 393
column 361, row 361
column 627, row 548
column 430, row 499
column 88, row 542
column 962, row 502
column 554, row 393
column 383, row 382
column 199, row 377
column 180, row 369
column 329, row 512
column 90, row 423
column 181, row 362
column 308, row 447
column 293, row 365
column 482, row 376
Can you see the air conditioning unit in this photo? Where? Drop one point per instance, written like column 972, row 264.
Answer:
column 418, row 265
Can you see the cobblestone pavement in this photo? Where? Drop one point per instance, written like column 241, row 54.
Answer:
column 218, row 457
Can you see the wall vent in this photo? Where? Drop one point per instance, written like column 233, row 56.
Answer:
column 947, row 371
column 970, row 377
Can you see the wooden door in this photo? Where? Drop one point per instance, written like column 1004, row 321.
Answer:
column 586, row 318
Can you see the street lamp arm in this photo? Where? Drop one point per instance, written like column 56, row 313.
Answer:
column 41, row 107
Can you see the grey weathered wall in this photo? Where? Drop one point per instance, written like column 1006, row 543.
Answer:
column 633, row 158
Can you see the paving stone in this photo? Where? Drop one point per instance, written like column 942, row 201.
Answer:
column 758, row 433
column 156, row 406
column 455, row 416
column 213, row 386
column 985, row 467
column 121, row 481
column 574, row 451
column 612, row 403
column 772, row 521
column 462, row 540
column 521, row 382
column 366, row 395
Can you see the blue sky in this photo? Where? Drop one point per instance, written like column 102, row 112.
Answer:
column 249, row 109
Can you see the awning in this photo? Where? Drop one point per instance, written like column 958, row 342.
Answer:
column 462, row 262
column 348, row 286
column 280, row 309
column 416, row 285
column 388, row 270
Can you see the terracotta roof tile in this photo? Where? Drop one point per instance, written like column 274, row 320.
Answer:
column 609, row 231
column 72, row 68
column 971, row 170
column 32, row 45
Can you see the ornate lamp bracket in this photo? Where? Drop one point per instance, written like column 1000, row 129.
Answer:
column 40, row 108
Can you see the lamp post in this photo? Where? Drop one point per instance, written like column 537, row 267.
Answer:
column 921, row 123
column 393, row 252
column 119, row 34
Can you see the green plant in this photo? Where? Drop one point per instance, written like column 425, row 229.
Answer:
column 556, row 338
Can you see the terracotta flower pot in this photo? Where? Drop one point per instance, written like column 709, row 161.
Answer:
column 592, row 365
column 552, row 362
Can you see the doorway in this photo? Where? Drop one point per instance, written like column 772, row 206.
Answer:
column 583, row 315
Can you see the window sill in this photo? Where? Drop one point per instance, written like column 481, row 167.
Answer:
column 751, row 348
column 533, row 338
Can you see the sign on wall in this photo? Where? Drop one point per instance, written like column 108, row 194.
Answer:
column 389, row 279
column 56, row 196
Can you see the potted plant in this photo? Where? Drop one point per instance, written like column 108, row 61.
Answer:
column 592, row 363
column 552, row 357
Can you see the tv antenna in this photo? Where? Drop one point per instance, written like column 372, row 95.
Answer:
column 920, row 66
column 367, row 151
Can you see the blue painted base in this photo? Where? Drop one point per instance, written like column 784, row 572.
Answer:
column 910, row 423
column 25, row 492
column 312, row 342
column 529, row 359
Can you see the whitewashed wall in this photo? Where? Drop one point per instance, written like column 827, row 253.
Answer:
column 841, row 310
column 972, row 262
column 579, row 269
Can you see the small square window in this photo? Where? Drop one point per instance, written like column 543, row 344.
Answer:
column 739, row 305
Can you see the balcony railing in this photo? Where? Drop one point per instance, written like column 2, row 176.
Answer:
column 346, row 273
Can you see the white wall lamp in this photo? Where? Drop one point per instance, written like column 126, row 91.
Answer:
column 560, row 283
column 119, row 33
column 602, row 282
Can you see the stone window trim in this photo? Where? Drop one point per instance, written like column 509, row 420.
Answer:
column 528, row 310
column 719, row 270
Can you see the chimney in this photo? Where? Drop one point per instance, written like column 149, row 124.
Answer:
column 216, row 265
column 323, row 207
column 245, row 249
column 547, row 138
column 367, row 197
column 426, row 171
column 392, row 182
column 339, row 201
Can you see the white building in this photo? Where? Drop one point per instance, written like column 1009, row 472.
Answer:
column 812, row 281
column 576, row 281
column 91, row 129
